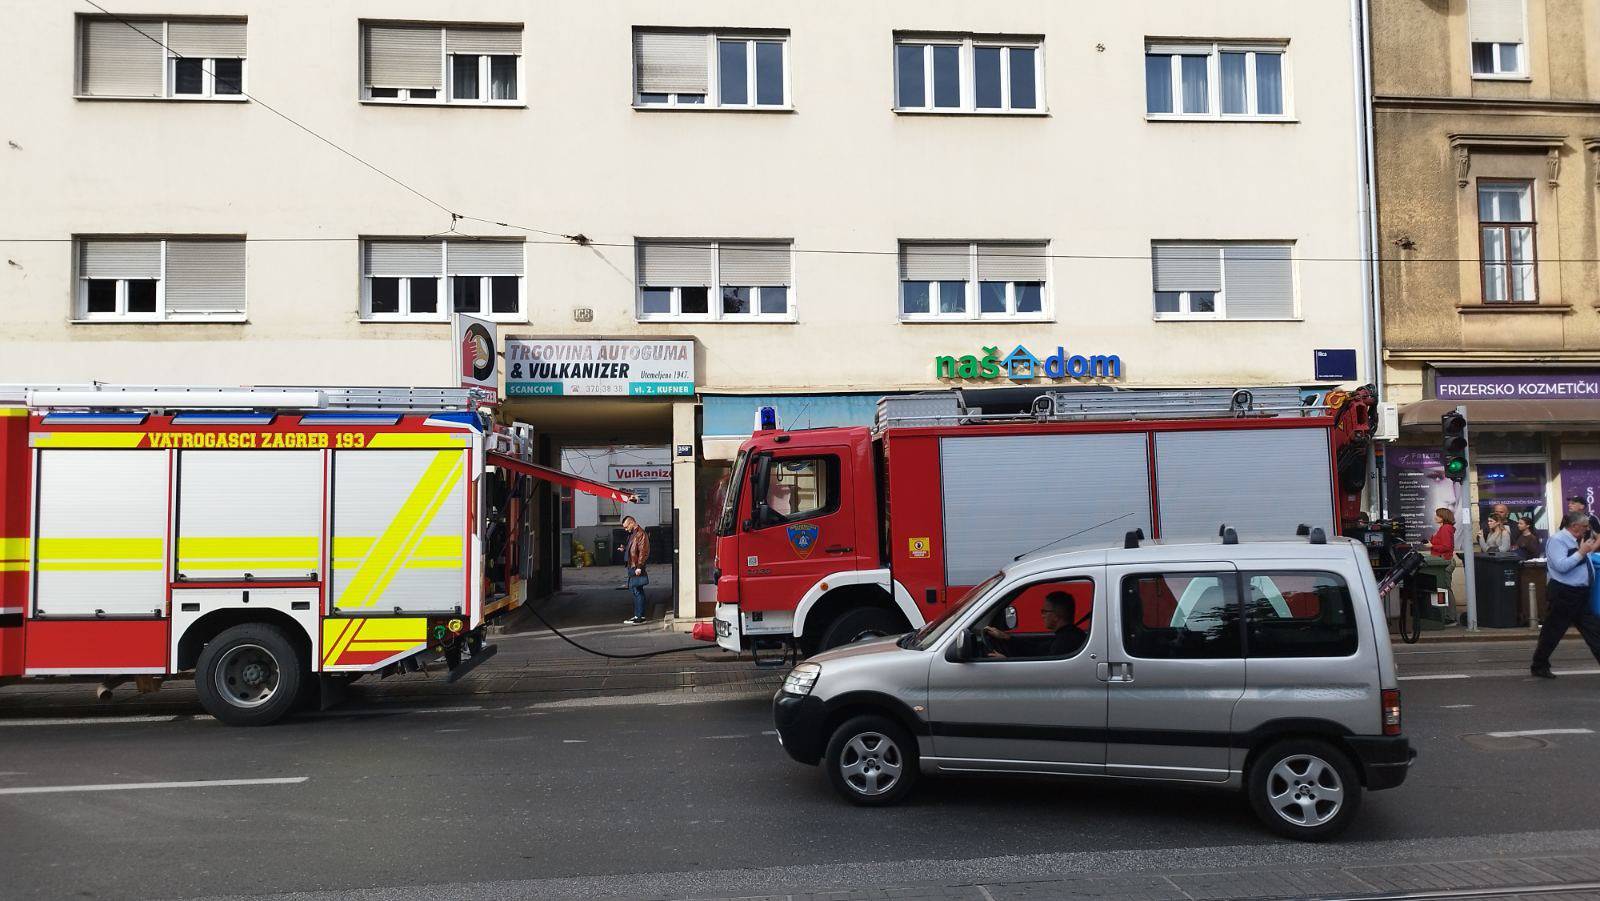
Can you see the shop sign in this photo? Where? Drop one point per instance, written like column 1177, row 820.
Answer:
column 1580, row 478
column 637, row 473
column 1484, row 386
column 1417, row 487
column 1022, row 365
column 475, row 354
column 548, row 367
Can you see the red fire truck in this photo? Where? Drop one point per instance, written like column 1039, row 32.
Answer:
column 830, row 535
column 277, row 542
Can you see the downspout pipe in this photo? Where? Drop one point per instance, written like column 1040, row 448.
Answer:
column 1367, row 215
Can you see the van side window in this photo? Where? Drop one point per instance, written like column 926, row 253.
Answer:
column 1048, row 620
column 1181, row 616
column 798, row 488
column 1299, row 614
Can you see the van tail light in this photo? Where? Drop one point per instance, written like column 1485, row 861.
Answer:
column 1391, row 711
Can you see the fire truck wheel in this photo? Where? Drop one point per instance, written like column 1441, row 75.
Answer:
column 871, row 761
column 250, row 675
column 858, row 624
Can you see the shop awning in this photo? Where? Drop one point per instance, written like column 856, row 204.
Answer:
column 556, row 476
column 1507, row 415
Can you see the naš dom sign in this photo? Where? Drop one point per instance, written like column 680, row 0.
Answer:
column 1022, row 365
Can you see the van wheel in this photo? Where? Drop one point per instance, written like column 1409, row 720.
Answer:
column 858, row 624
column 1304, row 789
column 250, row 675
column 871, row 761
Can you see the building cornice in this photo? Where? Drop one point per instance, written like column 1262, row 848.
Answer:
column 1447, row 355
column 1462, row 145
column 1383, row 102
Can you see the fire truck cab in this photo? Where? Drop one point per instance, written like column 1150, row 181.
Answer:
column 827, row 536
column 279, row 543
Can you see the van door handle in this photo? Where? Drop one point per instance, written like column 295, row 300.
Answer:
column 1114, row 672
column 838, row 549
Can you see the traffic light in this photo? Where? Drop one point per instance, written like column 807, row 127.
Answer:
column 1454, row 449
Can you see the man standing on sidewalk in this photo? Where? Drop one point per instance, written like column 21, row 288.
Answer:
column 1568, row 553
column 637, row 556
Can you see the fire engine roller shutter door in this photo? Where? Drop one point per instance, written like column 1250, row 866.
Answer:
column 1009, row 494
column 1262, row 482
column 249, row 512
column 399, row 531
column 102, row 533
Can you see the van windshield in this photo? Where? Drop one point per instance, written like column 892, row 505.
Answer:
column 730, row 496
column 929, row 635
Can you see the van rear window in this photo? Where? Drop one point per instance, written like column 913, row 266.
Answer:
column 1299, row 614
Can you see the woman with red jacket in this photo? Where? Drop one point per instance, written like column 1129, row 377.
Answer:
column 1443, row 543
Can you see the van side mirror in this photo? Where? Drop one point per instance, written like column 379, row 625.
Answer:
column 959, row 650
column 1011, row 617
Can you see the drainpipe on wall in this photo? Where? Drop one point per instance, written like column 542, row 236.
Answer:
column 1367, row 208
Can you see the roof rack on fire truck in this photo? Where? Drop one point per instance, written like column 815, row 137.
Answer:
column 938, row 408
column 170, row 397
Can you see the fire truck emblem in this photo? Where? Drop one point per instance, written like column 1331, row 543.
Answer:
column 804, row 538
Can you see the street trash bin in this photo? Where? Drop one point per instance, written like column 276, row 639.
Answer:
column 1496, row 583
column 602, row 551
column 1432, row 579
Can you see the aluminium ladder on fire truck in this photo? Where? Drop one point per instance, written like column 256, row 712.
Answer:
column 143, row 525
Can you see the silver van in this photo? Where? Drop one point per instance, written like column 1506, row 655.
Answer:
column 1262, row 666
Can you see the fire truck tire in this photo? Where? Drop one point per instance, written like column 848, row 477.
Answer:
column 871, row 761
column 860, row 623
column 250, row 675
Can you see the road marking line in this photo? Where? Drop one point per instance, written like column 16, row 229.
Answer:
column 574, row 741
column 389, row 711
column 1434, row 678
column 86, row 720
column 1527, row 732
column 1455, row 706
column 130, row 786
column 723, row 737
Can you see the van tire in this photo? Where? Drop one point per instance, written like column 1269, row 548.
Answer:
column 862, row 622
column 250, row 675
column 862, row 751
column 1290, row 784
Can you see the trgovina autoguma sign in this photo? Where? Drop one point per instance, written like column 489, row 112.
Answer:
column 1466, row 386
column 537, row 367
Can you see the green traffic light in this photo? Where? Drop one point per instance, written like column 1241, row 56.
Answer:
column 1456, row 466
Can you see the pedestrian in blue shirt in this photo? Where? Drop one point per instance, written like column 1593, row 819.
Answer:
column 1568, row 553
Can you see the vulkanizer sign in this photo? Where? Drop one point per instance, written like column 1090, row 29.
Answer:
column 620, row 366
column 1022, row 365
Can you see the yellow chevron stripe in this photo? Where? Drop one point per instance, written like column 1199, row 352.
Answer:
column 332, row 631
column 86, row 439
column 248, row 546
column 100, row 548
column 351, row 548
column 345, row 638
column 416, row 512
column 13, row 548
column 13, row 566
column 392, row 440
column 256, row 565
column 92, row 566
column 409, row 628
column 385, row 645
column 12, row 411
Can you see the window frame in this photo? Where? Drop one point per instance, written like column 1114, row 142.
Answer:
column 1231, row 582
column 832, row 466
column 1009, row 597
column 1527, row 184
column 169, row 59
column 208, row 79
column 711, row 100
column 446, row 308
column 966, row 73
column 1212, row 51
column 444, row 95
column 1220, row 312
column 80, row 290
column 973, row 310
column 1499, row 72
column 714, row 308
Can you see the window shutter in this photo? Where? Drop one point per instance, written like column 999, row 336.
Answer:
column 395, row 258
column 1011, row 262
column 754, row 265
column 935, row 262
column 474, row 40
column 675, row 264
column 205, row 277
column 119, row 61
column 207, row 39
column 671, row 62
column 483, row 258
column 1495, row 21
column 1186, row 267
column 404, row 56
column 111, row 258
column 1260, row 281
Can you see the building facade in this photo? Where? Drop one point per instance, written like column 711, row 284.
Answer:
column 809, row 205
column 1487, row 127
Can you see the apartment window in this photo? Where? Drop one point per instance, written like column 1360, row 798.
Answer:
column 1215, row 81
column 729, row 281
column 1506, row 242
column 964, row 73
column 675, row 69
column 458, row 64
column 160, row 279
column 1498, row 32
column 1223, row 281
column 422, row 280
column 972, row 280
column 179, row 59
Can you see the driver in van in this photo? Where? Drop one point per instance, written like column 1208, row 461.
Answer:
column 1065, row 641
